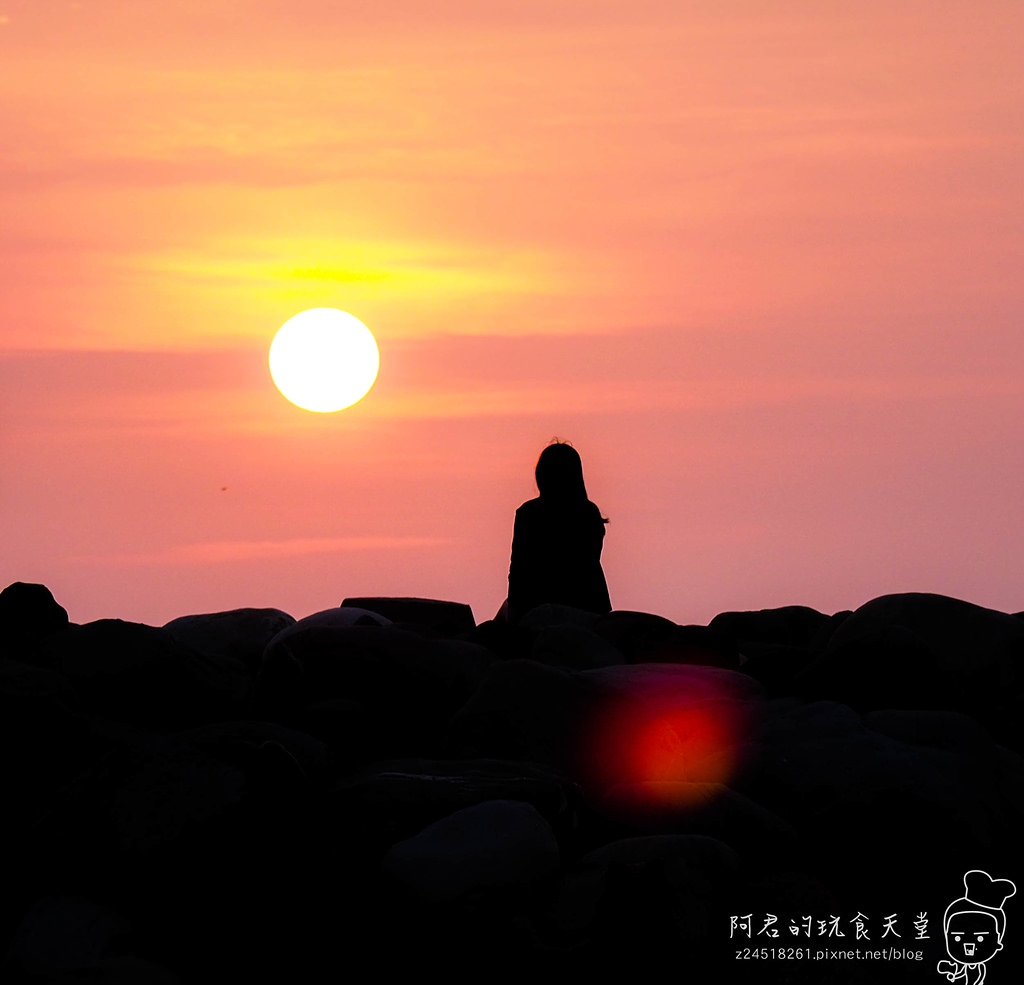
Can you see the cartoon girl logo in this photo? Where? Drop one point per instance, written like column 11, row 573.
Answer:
column 974, row 927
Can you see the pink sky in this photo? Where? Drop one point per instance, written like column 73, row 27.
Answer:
column 759, row 261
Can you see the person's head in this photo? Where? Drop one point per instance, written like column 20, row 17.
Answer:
column 559, row 472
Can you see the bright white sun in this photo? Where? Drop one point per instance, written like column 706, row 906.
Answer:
column 324, row 359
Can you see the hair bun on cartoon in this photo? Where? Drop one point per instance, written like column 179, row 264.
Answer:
column 981, row 888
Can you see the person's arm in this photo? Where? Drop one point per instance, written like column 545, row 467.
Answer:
column 519, row 548
column 530, row 570
column 520, row 567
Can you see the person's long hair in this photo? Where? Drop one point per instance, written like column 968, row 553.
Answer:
column 559, row 474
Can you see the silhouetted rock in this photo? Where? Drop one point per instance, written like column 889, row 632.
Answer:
column 264, row 745
column 710, row 809
column 683, row 682
column 645, row 638
column 28, row 613
column 399, row 689
column 205, row 839
column 922, row 651
column 552, row 614
column 134, row 673
column 572, row 646
column 44, row 739
column 505, row 640
column 435, row 616
column 391, row 801
column 524, row 710
column 777, row 644
column 634, row 633
column 609, row 725
column 65, row 936
column 775, row 665
column 567, row 792
column 338, row 618
column 492, row 844
column 793, row 625
column 936, row 785
column 660, row 893
column 239, row 634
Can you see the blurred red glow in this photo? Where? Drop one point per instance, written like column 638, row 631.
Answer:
column 672, row 746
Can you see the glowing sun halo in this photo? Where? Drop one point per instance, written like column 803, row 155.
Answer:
column 324, row 359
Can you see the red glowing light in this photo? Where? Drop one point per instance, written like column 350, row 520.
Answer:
column 671, row 736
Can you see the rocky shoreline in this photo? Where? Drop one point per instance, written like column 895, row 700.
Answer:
column 240, row 794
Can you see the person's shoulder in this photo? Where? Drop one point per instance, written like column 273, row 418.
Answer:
column 529, row 517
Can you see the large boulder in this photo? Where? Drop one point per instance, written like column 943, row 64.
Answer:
column 263, row 747
column 524, row 711
column 65, row 936
column 507, row 641
column 611, row 725
column 491, row 845
column 207, row 840
column 555, row 614
column 656, row 893
column 434, row 616
column 557, row 635
column 710, row 809
column 341, row 617
column 28, row 614
column 637, row 635
column 43, row 737
column 790, row 625
column 139, row 674
column 894, row 789
column 777, row 644
column 645, row 638
column 391, row 801
column 239, row 634
column 573, row 646
column 393, row 690
column 923, row 651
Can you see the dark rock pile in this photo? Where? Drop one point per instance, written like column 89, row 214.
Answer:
column 239, row 795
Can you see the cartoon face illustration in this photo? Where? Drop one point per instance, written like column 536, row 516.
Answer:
column 972, row 937
column 974, row 926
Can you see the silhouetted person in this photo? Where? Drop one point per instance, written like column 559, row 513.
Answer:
column 556, row 547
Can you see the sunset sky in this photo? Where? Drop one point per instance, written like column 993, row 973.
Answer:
column 759, row 260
